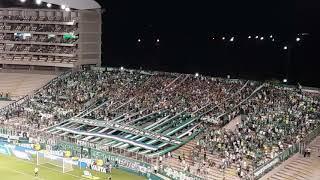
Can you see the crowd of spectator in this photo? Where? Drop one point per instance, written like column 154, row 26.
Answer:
column 273, row 117
column 130, row 94
column 171, row 95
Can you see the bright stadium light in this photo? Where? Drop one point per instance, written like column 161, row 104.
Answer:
column 63, row 6
column 285, row 80
column 249, row 37
column 49, row 5
column 38, row 2
column 121, row 68
column 285, row 47
column 298, row 39
column 158, row 40
column 67, row 9
column 257, row 37
column 23, row 1
column 232, row 39
column 261, row 38
column 271, row 36
column 196, row 75
column 223, row 38
column 139, row 40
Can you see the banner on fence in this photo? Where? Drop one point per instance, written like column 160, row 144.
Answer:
column 281, row 157
column 4, row 150
column 178, row 175
column 123, row 162
column 21, row 155
column 266, row 167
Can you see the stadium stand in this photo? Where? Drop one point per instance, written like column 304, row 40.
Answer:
column 21, row 84
column 50, row 37
column 277, row 118
column 299, row 167
column 4, row 103
column 211, row 128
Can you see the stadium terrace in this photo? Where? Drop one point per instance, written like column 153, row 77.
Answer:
column 156, row 115
column 65, row 116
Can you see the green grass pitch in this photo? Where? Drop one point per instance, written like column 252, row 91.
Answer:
column 12, row 168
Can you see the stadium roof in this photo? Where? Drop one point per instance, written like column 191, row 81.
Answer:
column 76, row 4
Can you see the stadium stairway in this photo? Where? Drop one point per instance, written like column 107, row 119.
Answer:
column 213, row 172
column 298, row 167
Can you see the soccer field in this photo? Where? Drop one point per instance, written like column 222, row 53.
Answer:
column 16, row 169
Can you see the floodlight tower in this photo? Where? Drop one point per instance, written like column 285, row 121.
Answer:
column 288, row 49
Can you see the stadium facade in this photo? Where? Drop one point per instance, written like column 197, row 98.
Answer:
column 67, row 35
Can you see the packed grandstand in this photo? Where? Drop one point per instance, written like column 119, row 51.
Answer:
column 159, row 125
column 183, row 125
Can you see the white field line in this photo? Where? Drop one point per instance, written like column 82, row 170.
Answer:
column 50, row 168
column 12, row 170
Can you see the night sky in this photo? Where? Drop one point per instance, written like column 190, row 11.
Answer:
column 186, row 30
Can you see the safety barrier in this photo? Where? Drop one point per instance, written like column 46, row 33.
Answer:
column 178, row 175
column 268, row 166
column 131, row 165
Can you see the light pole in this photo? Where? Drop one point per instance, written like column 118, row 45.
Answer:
column 290, row 49
column 287, row 49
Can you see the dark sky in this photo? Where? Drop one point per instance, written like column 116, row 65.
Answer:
column 186, row 28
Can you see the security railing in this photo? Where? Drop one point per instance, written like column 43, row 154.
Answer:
column 296, row 147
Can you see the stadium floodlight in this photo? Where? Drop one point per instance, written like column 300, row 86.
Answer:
column 285, row 47
column 262, row 38
column 38, row 2
column 49, row 5
column 121, row 68
column 139, row 40
column 196, row 75
column 285, row 80
column 272, row 39
column 223, row 38
column 257, row 37
column 228, row 76
column 298, row 39
column 271, row 36
column 63, row 6
column 67, row 9
column 249, row 37
column 232, row 39
column 158, row 40
column 213, row 38
column 23, row 1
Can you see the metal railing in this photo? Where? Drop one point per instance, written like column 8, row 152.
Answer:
column 286, row 154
